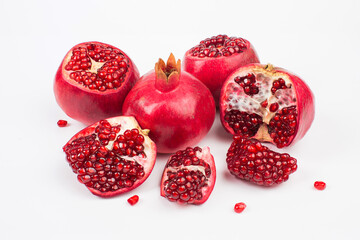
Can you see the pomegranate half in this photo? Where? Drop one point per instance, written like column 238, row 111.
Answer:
column 215, row 58
column 112, row 156
column 189, row 176
column 176, row 107
column 266, row 103
column 93, row 80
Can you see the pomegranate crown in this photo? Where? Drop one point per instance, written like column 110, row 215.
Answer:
column 167, row 75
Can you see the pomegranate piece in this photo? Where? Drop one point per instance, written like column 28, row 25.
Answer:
column 62, row 123
column 177, row 108
column 189, row 176
column 239, row 207
column 215, row 58
column 320, row 185
column 112, row 156
column 248, row 159
column 93, row 80
column 266, row 103
column 133, row 200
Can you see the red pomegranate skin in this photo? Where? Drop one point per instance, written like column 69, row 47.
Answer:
column 89, row 106
column 177, row 118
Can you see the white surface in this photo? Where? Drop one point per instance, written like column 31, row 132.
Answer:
column 40, row 196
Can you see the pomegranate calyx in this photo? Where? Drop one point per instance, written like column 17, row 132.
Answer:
column 167, row 75
column 269, row 67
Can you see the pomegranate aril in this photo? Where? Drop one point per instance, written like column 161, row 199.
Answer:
column 248, row 83
column 62, row 123
column 239, row 207
column 243, row 123
column 133, row 200
column 278, row 84
column 320, row 185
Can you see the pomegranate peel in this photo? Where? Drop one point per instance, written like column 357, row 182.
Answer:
column 112, row 156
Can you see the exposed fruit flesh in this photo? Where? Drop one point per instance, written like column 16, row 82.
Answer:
column 62, row 123
column 133, row 200
column 248, row 159
column 320, row 185
column 189, row 176
column 97, row 66
column 239, row 207
column 111, row 156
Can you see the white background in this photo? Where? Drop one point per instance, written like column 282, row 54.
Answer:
column 40, row 196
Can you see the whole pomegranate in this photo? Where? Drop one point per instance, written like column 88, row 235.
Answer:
column 189, row 176
column 176, row 107
column 266, row 103
column 93, row 80
column 215, row 58
column 112, row 156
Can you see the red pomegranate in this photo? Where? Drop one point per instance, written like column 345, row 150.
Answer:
column 189, row 176
column 93, row 80
column 215, row 58
column 112, row 156
column 176, row 107
column 266, row 103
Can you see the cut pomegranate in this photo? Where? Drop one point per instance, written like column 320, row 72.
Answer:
column 189, row 176
column 133, row 200
column 112, row 156
column 177, row 108
column 215, row 58
column 248, row 159
column 239, row 207
column 266, row 103
column 93, row 80
column 320, row 185
column 62, row 123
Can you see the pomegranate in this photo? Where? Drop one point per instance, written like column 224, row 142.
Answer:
column 266, row 103
column 189, row 176
column 177, row 108
column 248, row 159
column 112, row 156
column 215, row 58
column 93, row 80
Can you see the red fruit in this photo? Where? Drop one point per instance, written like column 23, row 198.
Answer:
column 189, row 176
column 177, row 108
column 62, row 123
column 319, row 185
column 266, row 103
column 133, row 200
column 248, row 159
column 215, row 58
column 93, row 80
column 239, row 207
column 112, row 156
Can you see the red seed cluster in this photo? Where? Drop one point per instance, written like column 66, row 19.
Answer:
column 185, row 185
column 248, row 159
column 243, row 123
column 278, row 84
column 283, row 126
column 218, row 46
column 109, row 76
column 130, row 143
column 248, row 83
column 100, row 167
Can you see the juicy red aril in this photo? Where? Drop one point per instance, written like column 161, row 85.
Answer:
column 274, row 107
column 62, row 123
column 278, row 84
column 218, row 46
column 110, row 71
column 130, row 143
column 185, row 185
column 319, row 185
column 283, row 125
column 248, row 159
column 243, row 123
column 239, row 207
column 248, row 83
column 133, row 200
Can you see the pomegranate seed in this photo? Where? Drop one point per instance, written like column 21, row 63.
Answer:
column 62, row 123
column 243, row 123
column 274, row 107
column 248, row 83
column 239, row 207
column 319, row 185
column 133, row 200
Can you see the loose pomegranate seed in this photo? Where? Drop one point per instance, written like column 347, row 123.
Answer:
column 133, row 200
column 62, row 123
column 239, row 207
column 248, row 83
column 319, row 185
column 243, row 123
